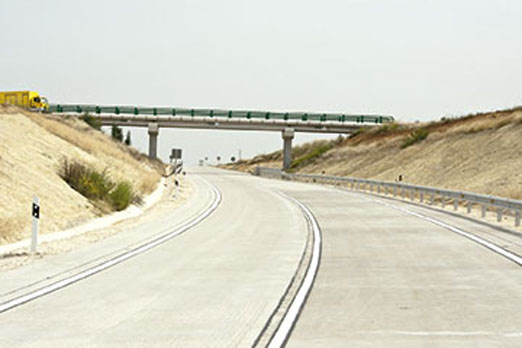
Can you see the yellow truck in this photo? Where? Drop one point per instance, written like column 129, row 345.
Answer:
column 25, row 99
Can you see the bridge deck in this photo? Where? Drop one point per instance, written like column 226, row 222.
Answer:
column 238, row 119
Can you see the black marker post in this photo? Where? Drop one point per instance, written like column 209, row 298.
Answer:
column 36, row 218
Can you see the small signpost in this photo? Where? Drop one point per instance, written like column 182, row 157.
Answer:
column 175, row 155
column 36, row 219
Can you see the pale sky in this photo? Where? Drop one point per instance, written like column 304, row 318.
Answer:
column 415, row 60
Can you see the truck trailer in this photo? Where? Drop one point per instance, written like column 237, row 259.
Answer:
column 25, row 99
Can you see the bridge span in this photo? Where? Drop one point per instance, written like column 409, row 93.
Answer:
column 287, row 123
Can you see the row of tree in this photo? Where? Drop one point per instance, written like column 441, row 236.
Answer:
column 116, row 132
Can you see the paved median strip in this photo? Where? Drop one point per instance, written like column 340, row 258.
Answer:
column 113, row 261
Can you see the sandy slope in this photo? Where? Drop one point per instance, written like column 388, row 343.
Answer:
column 482, row 153
column 31, row 148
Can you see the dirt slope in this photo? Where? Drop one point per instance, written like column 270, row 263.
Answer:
column 479, row 153
column 31, row 149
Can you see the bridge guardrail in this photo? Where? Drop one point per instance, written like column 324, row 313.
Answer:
column 422, row 193
column 268, row 115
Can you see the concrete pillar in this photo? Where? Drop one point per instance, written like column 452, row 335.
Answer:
column 153, row 140
column 288, row 135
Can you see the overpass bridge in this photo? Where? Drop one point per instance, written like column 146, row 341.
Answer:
column 287, row 123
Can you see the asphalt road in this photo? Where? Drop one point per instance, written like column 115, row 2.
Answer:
column 386, row 278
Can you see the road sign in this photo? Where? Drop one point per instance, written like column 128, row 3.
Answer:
column 175, row 154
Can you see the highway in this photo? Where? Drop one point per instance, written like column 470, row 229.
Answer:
column 222, row 269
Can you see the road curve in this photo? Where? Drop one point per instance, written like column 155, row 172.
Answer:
column 391, row 279
column 214, row 285
column 386, row 277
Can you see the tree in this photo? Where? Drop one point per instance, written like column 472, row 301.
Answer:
column 117, row 133
column 128, row 141
column 91, row 121
column 232, row 159
column 218, row 158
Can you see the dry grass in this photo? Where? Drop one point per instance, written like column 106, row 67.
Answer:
column 480, row 153
column 11, row 229
column 31, row 148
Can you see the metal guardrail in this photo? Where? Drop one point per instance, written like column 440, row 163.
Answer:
column 267, row 115
column 412, row 192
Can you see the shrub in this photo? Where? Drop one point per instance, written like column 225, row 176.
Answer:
column 128, row 140
column 122, row 196
column 387, row 128
column 91, row 121
column 96, row 185
column 414, row 137
column 311, row 155
column 357, row 132
column 117, row 133
column 86, row 181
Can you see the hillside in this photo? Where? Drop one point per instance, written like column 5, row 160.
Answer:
column 480, row 153
column 32, row 150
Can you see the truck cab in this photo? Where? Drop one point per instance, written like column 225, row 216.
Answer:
column 39, row 102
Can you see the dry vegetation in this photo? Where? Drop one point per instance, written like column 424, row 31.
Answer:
column 32, row 147
column 480, row 153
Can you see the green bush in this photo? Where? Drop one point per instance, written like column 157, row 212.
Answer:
column 387, row 128
column 96, row 185
column 357, row 132
column 416, row 136
column 117, row 133
column 311, row 155
column 122, row 196
column 91, row 121
column 128, row 140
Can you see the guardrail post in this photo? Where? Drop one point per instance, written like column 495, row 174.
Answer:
column 455, row 204
column 412, row 192
column 394, row 191
column 403, row 193
column 468, row 205
column 443, row 199
column 499, row 214
column 517, row 218
column 371, row 187
column 421, row 197
column 483, row 212
column 379, row 189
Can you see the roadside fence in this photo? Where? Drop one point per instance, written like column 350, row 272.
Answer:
column 422, row 194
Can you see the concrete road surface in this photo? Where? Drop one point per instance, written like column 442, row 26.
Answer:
column 215, row 285
column 386, row 278
column 390, row 279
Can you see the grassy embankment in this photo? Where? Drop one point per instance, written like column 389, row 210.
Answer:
column 479, row 153
column 77, row 171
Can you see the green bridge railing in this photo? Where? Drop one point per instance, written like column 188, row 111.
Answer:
column 155, row 111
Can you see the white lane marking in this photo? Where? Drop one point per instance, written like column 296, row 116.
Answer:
column 494, row 247
column 290, row 318
column 114, row 261
column 442, row 333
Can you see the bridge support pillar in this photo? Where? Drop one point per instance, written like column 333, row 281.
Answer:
column 288, row 135
column 153, row 140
